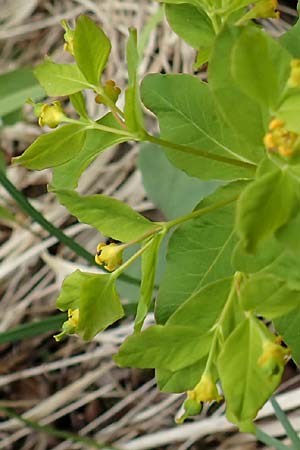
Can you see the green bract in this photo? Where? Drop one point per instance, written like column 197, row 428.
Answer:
column 228, row 159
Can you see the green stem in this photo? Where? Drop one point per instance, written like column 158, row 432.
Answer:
column 64, row 435
column 198, row 213
column 52, row 230
column 90, row 124
column 270, row 441
column 131, row 260
column 283, row 419
column 199, row 152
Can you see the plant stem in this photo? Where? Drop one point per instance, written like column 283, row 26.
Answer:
column 198, row 213
column 270, row 441
column 283, row 419
column 52, row 230
column 64, row 435
column 200, row 153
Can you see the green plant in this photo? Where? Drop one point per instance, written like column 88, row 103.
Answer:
column 232, row 261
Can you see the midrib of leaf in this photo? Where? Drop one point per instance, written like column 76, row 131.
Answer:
column 191, row 121
column 214, row 262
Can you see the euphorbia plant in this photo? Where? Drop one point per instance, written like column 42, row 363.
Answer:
column 232, row 262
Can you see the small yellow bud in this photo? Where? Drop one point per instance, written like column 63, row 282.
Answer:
column 285, row 151
column 276, row 123
column 69, row 37
column 111, row 90
column 110, row 255
column 205, row 391
column 51, row 115
column 274, row 357
column 269, row 141
column 73, row 317
column 70, row 325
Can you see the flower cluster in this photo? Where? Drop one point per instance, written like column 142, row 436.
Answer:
column 280, row 140
column 110, row 90
column 110, row 255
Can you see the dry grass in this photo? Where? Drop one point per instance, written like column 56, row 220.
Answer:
column 74, row 385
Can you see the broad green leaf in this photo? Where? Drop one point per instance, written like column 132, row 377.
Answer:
column 180, row 380
column 288, row 327
column 168, row 347
column 149, row 262
column 67, row 175
column 289, row 111
column 133, row 110
column 60, row 79
column 291, row 40
column 265, row 254
column 285, row 265
column 264, row 206
column 260, row 66
column 69, row 296
column 203, row 308
column 110, row 216
column 199, row 3
column 78, row 102
column 191, row 24
column 269, row 296
column 246, row 384
column 174, row 192
column 178, row 101
column 199, row 252
column 91, row 49
column 99, row 306
column 53, row 149
column 15, row 88
column 236, row 107
column 289, row 235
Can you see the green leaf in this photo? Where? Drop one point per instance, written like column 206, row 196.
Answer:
column 99, row 306
column 133, row 109
column 110, row 216
column 60, row 79
column 53, row 149
column 265, row 254
column 235, row 106
column 67, row 175
column 191, row 24
column 246, row 384
column 69, row 296
column 96, row 297
column 178, row 101
column 180, row 380
column 291, row 40
column 288, row 327
column 91, row 49
column 78, row 102
column 174, row 193
column 289, row 111
column 269, row 296
column 15, row 88
column 264, row 206
column 149, row 263
column 288, row 235
column 203, row 308
column 199, row 253
column 169, row 347
column 260, row 66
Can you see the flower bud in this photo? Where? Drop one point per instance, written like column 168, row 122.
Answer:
column 69, row 37
column 111, row 90
column 110, row 255
column 51, row 115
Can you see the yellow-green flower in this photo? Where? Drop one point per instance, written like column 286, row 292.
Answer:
column 51, row 115
column 70, row 325
column 280, row 140
column 205, row 391
column 274, row 357
column 110, row 255
column 69, row 37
